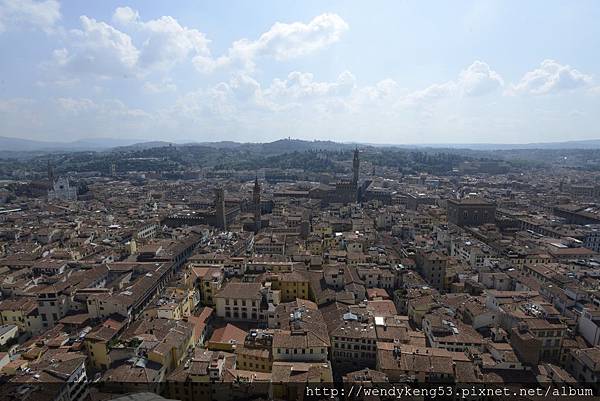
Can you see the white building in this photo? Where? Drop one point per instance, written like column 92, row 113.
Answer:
column 470, row 251
column 589, row 325
column 62, row 190
column 8, row 332
column 592, row 240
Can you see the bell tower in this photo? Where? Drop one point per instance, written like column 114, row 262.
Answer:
column 256, row 205
column 355, row 168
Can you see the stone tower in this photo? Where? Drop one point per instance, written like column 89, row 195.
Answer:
column 304, row 227
column 220, row 217
column 355, row 168
column 256, row 205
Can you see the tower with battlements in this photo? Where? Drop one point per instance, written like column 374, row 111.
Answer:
column 220, row 212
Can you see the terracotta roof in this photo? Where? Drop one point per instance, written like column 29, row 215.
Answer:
column 240, row 291
column 229, row 334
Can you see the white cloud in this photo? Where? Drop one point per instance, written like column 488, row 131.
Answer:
column 432, row 92
column 386, row 88
column 551, row 77
column 99, row 49
column 214, row 103
column 242, row 95
column 384, row 93
column 283, row 41
column 125, row 15
column 476, row 80
column 224, row 101
column 109, row 110
column 165, row 41
column 301, row 85
column 246, row 89
column 114, row 110
column 479, row 79
column 39, row 14
column 75, row 116
column 301, row 94
column 136, row 48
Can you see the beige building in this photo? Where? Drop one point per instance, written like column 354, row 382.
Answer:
column 241, row 302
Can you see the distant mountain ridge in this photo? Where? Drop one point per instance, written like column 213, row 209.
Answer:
column 577, row 144
column 11, row 144
column 31, row 145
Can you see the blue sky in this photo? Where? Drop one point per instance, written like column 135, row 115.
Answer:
column 378, row 71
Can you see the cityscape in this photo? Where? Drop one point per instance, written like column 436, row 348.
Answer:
column 187, row 213
column 421, row 267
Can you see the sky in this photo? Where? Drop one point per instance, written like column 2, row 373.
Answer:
column 389, row 72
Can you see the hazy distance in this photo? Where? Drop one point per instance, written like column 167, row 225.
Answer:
column 348, row 71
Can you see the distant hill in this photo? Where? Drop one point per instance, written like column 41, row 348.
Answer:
column 29, row 145
column 275, row 147
column 18, row 145
column 218, row 145
column 142, row 146
column 101, row 143
column 298, row 145
column 291, row 145
column 582, row 144
column 8, row 144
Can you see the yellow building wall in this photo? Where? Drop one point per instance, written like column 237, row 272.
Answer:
column 165, row 360
column 290, row 290
column 98, row 353
column 243, row 362
column 14, row 317
column 213, row 346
